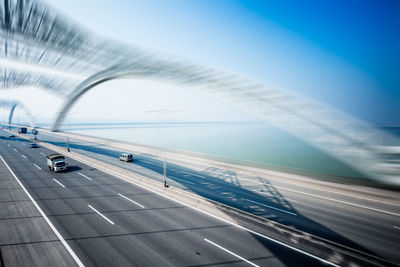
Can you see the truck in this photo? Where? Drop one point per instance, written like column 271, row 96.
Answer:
column 56, row 162
column 22, row 130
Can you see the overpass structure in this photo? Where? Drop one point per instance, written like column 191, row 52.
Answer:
column 40, row 47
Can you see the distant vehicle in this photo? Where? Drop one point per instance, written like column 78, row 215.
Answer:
column 56, row 162
column 22, row 130
column 126, row 157
column 33, row 145
column 11, row 135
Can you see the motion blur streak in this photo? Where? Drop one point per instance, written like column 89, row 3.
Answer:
column 34, row 34
column 12, row 105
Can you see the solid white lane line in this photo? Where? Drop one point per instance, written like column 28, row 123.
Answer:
column 396, row 227
column 330, row 199
column 232, row 223
column 37, row 166
column 8, row 144
column 174, row 178
column 369, row 199
column 15, row 150
column 71, row 252
column 131, row 200
column 255, row 182
column 85, row 176
column 343, row 202
column 59, row 183
column 24, row 156
column 43, row 154
column 255, row 202
column 345, row 194
column 104, row 217
column 230, row 252
column 189, row 173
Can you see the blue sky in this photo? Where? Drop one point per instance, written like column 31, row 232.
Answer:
column 343, row 53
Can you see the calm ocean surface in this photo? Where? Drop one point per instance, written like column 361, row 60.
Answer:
column 255, row 143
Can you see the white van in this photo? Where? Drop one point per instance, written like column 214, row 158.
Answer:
column 126, row 157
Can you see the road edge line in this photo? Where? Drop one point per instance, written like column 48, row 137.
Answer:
column 69, row 249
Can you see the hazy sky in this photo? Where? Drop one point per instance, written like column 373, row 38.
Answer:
column 343, row 53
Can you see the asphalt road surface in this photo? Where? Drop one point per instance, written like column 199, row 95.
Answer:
column 363, row 218
column 106, row 221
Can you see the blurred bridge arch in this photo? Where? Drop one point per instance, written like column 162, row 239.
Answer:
column 345, row 138
column 39, row 47
column 12, row 105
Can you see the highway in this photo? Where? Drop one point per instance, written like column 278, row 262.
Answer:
column 105, row 221
column 363, row 218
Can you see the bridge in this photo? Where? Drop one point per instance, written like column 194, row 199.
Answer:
column 42, row 40
column 41, row 48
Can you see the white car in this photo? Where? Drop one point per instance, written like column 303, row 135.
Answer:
column 126, row 157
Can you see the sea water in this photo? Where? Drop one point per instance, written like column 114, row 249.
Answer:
column 254, row 143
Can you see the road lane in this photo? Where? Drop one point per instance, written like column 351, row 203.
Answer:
column 140, row 235
column 81, row 174
column 59, row 183
column 102, row 215
column 277, row 196
column 230, row 252
column 44, row 216
column 140, row 205
column 349, row 225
